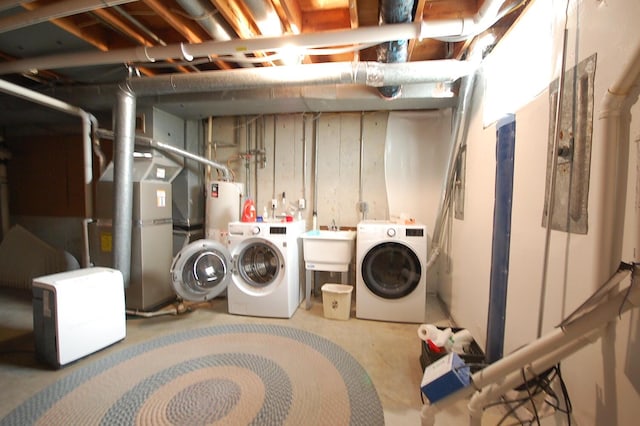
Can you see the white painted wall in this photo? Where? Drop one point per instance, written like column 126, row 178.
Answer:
column 603, row 379
column 289, row 166
column 402, row 161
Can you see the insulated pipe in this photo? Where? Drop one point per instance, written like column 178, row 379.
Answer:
column 365, row 73
column 123, row 181
column 54, row 10
column 187, row 51
column 393, row 12
column 108, row 134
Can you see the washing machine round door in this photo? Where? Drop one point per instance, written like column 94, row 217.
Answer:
column 201, row 270
column 259, row 264
column 391, row 270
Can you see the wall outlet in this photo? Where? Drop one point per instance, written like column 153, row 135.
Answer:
column 302, row 204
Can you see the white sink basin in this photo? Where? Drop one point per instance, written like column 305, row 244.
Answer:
column 328, row 250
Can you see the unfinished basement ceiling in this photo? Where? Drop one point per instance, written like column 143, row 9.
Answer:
column 39, row 40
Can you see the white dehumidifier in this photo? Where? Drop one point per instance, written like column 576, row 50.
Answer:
column 76, row 313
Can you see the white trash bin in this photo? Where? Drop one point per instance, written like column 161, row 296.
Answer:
column 336, row 301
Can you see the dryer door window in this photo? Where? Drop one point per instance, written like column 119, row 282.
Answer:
column 391, row 270
column 259, row 264
column 201, row 271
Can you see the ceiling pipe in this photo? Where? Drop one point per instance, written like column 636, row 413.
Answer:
column 108, row 134
column 89, row 123
column 208, row 18
column 189, row 51
column 373, row 74
column 471, row 26
column 393, row 12
column 55, row 10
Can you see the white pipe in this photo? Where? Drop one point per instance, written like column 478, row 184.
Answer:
column 361, row 35
column 87, row 121
column 613, row 166
column 55, row 10
column 463, row 28
column 541, row 353
column 458, row 28
column 373, row 74
column 555, row 338
column 373, row 34
column 490, row 393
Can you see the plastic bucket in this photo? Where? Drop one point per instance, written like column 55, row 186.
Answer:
column 336, row 301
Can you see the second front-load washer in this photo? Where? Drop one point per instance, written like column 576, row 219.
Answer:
column 267, row 267
column 391, row 271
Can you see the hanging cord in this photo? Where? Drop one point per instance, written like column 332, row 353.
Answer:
column 536, row 386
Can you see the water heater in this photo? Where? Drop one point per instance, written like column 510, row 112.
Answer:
column 224, row 201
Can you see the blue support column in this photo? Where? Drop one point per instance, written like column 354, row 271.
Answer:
column 505, row 149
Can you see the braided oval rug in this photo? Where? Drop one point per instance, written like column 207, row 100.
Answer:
column 240, row 374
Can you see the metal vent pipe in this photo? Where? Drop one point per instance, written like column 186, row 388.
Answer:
column 393, row 12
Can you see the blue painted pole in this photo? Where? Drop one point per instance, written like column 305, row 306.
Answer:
column 505, row 150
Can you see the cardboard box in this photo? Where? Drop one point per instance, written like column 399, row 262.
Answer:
column 444, row 377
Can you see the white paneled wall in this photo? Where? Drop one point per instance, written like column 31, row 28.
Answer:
column 288, row 166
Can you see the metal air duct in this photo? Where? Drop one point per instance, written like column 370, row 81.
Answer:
column 393, row 12
column 208, row 18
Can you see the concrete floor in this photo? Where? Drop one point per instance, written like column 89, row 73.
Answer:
column 388, row 351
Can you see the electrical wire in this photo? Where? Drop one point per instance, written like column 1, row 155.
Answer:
column 540, row 384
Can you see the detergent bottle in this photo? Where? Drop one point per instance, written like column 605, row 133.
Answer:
column 249, row 211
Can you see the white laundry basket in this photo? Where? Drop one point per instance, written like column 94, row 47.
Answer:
column 336, row 301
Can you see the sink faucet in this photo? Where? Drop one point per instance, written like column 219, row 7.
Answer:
column 333, row 226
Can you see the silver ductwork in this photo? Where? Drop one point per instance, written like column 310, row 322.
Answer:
column 207, row 17
column 371, row 74
column 396, row 51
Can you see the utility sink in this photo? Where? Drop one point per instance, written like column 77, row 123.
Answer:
column 326, row 250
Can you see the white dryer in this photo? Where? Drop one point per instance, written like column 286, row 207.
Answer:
column 267, row 268
column 391, row 271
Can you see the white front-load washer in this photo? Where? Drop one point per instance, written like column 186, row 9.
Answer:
column 391, row 271
column 267, row 268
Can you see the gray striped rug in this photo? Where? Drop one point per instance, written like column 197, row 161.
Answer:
column 248, row 374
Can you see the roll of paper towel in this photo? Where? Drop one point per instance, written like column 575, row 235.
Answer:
column 433, row 333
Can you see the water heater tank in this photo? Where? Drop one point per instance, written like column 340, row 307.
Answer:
column 224, row 202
